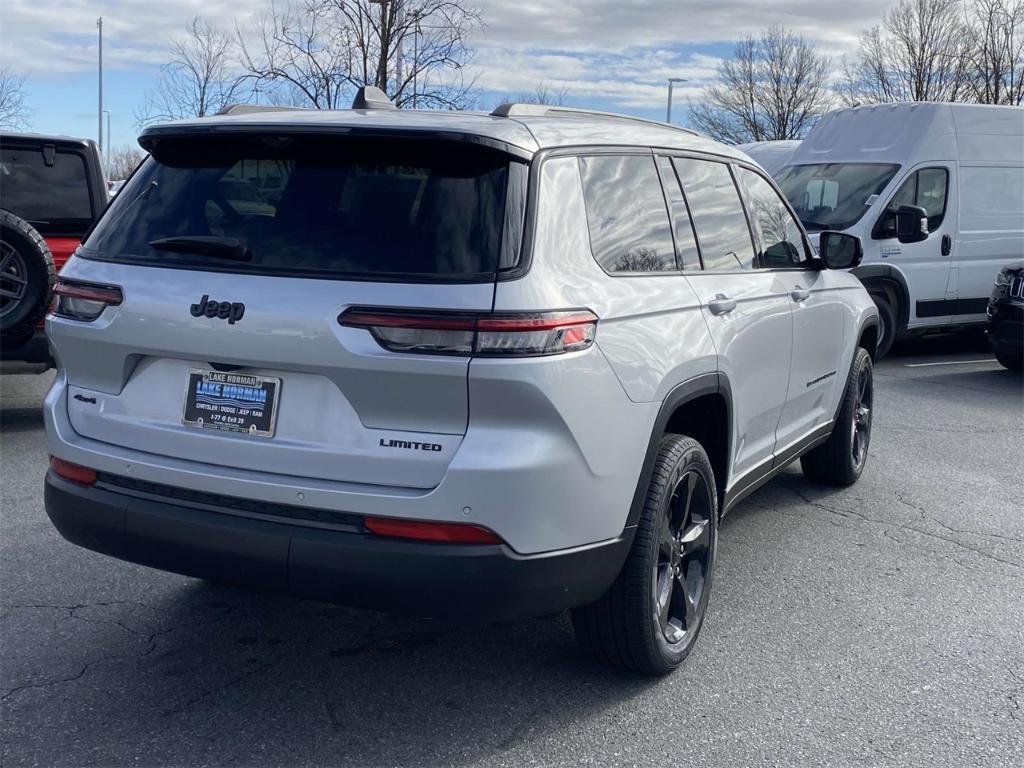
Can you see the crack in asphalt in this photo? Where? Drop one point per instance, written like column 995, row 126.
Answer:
column 849, row 513
column 951, row 529
column 150, row 638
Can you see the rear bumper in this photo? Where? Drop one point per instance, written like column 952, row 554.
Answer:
column 350, row 567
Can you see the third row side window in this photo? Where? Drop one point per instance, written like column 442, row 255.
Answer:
column 626, row 214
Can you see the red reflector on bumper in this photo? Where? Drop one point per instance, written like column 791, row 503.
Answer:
column 73, row 472
column 421, row 530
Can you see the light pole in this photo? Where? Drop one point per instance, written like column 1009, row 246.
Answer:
column 671, row 84
column 99, row 114
column 416, row 16
column 106, row 155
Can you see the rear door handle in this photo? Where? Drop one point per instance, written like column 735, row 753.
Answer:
column 721, row 305
column 800, row 294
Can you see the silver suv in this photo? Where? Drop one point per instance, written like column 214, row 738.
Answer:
column 456, row 364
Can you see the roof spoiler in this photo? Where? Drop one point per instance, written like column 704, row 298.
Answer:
column 371, row 97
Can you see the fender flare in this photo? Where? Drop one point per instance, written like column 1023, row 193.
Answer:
column 868, row 272
column 716, row 383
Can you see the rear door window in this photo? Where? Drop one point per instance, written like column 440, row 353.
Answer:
column 718, row 214
column 321, row 206
column 626, row 214
column 53, row 197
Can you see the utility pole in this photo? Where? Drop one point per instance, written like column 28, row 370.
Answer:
column 671, row 84
column 99, row 113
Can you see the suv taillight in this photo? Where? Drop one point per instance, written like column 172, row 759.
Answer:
column 487, row 335
column 84, row 301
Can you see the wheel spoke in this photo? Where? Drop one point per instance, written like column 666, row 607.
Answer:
column 11, row 277
column 10, row 294
column 663, row 594
column 686, row 606
column 697, row 532
column 6, row 260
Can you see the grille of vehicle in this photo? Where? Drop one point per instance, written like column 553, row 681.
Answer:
column 230, row 504
column 1017, row 288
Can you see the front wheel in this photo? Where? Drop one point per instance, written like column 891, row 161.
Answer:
column 841, row 459
column 886, row 323
column 649, row 619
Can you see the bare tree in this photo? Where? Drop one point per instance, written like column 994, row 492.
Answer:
column 201, row 78
column 122, row 161
column 774, row 87
column 996, row 52
column 321, row 51
column 13, row 112
column 921, row 52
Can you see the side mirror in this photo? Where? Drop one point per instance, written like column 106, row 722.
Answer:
column 911, row 224
column 839, row 250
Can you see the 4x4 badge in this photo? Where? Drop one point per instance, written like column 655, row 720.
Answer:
column 225, row 310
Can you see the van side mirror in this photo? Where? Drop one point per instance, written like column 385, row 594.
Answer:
column 839, row 250
column 911, row 224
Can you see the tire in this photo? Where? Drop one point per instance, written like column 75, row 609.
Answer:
column 1011, row 362
column 887, row 323
column 841, row 459
column 670, row 563
column 27, row 275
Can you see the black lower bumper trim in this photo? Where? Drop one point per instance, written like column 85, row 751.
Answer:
column 456, row 581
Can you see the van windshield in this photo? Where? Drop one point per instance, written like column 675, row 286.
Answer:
column 340, row 206
column 834, row 195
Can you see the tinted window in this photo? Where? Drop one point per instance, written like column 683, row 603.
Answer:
column 629, row 228
column 717, row 214
column 926, row 188
column 833, row 195
column 338, row 206
column 780, row 236
column 682, row 227
column 51, row 197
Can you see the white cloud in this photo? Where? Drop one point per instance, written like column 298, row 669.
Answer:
column 618, row 50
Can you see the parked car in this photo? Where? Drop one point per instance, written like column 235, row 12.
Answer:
column 1006, row 317
column 51, row 191
column 953, row 173
column 474, row 365
column 771, row 155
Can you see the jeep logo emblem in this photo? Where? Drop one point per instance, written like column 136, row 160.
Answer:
column 225, row 310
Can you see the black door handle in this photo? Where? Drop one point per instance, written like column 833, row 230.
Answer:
column 947, row 245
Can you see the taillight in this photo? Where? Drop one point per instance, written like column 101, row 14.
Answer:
column 74, row 472
column 84, row 301
column 466, row 333
column 425, row 530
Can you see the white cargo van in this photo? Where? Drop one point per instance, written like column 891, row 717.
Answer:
column 955, row 175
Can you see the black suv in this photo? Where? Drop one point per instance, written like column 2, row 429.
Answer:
column 51, row 191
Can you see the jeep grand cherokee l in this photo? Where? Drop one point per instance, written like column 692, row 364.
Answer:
column 475, row 365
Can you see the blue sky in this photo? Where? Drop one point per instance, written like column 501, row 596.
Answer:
column 608, row 54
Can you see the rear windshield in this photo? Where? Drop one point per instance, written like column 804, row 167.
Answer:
column 322, row 206
column 52, row 196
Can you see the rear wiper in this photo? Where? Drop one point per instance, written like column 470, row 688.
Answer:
column 217, row 247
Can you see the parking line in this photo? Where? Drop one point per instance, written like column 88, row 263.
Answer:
column 951, row 362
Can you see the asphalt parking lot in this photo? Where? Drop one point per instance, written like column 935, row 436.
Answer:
column 878, row 625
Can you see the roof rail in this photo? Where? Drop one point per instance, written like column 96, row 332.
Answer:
column 543, row 110
column 249, row 109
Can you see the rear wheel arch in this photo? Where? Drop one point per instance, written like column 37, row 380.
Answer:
column 700, row 408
